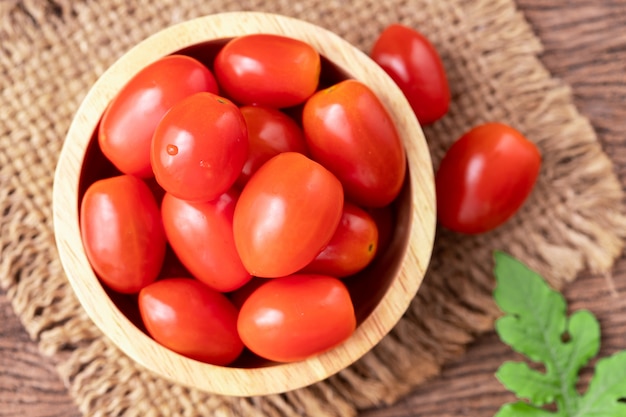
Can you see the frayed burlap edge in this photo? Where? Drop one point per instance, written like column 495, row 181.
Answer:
column 53, row 51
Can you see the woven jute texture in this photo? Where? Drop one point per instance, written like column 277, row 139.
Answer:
column 52, row 51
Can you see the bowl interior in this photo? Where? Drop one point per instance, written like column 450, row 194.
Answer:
column 367, row 287
column 381, row 293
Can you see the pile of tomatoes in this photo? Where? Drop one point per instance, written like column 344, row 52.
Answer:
column 261, row 182
column 264, row 185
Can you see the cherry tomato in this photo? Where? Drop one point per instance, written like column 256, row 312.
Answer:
column 189, row 318
column 201, row 235
column 199, row 147
column 352, row 247
column 292, row 318
column 413, row 63
column 286, row 214
column 268, row 70
column 349, row 131
column 270, row 132
column 122, row 232
column 128, row 124
column 485, row 177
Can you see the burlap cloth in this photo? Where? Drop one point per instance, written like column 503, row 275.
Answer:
column 52, row 51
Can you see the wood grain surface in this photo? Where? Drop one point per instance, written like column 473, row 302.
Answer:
column 593, row 62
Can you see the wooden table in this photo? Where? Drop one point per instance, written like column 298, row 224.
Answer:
column 594, row 64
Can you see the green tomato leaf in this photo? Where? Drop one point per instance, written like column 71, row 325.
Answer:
column 526, row 383
column 584, row 333
column 606, row 389
column 535, row 313
column 521, row 409
column 535, row 324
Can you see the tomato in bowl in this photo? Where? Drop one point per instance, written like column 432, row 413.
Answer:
column 380, row 293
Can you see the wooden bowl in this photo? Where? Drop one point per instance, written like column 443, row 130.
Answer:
column 381, row 293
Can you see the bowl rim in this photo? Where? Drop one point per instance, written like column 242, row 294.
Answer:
column 132, row 341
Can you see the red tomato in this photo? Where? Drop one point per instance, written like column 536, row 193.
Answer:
column 286, row 214
column 270, row 132
column 292, row 318
column 189, row 318
column 349, row 131
column 413, row 63
column 268, row 70
column 199, row 147
column 485, row 177
column 352, row 247
column 122, row 232
column 201, row 235
column 128, row 123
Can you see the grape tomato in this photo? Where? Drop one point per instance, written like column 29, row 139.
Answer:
column 286, row 214
column 268, row 70
column 349, row 131
column 122, row 233
column 485, row 177
column 199, row 147
column 352, row 247
column 201, row 235
column 189, row 318
column 292, row 318
column 413, row 62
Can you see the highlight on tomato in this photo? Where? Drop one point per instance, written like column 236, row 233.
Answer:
column 485, row 177
column 122, row 233
column 286, row 214
column 268, row 70
column 292, row 318
column 128, row 123
column 413, row 62
column 350, row 132
column 189, row 318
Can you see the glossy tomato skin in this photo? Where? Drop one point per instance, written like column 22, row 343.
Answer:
column 292, row 318
column 128, row 123
column 286, row 214
column 201, row 235
column 122, row 232
column 199, row 147
column 189, row 318
column 270, row 132
column 485, row 177
column 352, row 247
column 349, row 131
column 414, row 64
column 268, row 70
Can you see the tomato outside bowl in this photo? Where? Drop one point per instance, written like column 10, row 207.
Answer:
column 381, row 294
